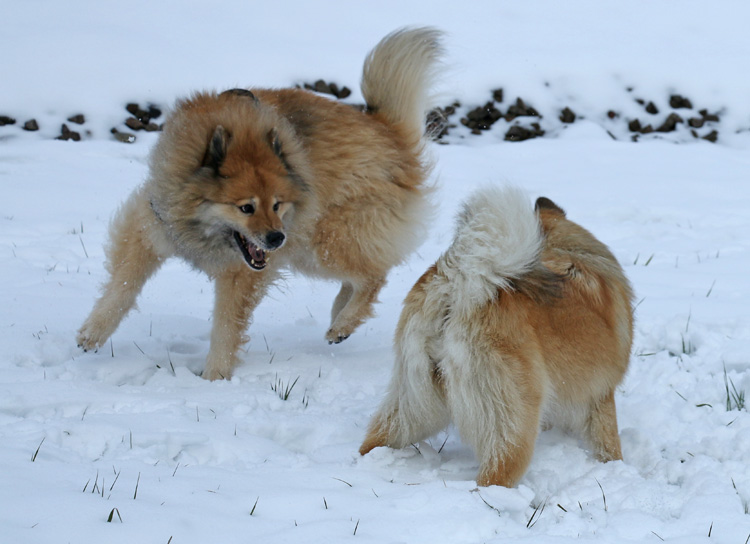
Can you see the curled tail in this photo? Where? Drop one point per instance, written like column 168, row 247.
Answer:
column 398, row 75
column 497, row 245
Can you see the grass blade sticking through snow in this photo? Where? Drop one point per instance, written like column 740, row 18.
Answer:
column 112, row 515
column 604, row 498
column 281, row 389
column 735, row 399
column 33, row 457
column 540, row 510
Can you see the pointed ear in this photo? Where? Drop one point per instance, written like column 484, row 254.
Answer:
column 216, row 151
column 544, row 203
column 275, row 143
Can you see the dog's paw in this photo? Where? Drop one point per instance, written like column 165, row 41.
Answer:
column 335, row 337
column 219, row 366
column 88, row 341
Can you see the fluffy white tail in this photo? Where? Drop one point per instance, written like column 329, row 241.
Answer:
column 498, row 239
column 398, row 75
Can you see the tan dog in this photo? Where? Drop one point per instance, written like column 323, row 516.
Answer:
column 245, row 183
column 526, row 320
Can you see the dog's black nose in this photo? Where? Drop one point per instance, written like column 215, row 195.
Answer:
column 275, row 239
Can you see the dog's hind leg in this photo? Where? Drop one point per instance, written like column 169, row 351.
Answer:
column 495, row 399
column 415, row 407
column 238, row 292
column 356, row 310
column 511, row 461
column 601, row 429
column 131, row 260
column 504, row 449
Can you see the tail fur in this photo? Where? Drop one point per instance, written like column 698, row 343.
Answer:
column 497, row 244
column 398, row 75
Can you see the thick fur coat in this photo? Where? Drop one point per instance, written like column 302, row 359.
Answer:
column 526, row 320
column 246, row 183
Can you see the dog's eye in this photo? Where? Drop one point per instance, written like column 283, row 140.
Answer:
column 276, row 206
column 247, row 209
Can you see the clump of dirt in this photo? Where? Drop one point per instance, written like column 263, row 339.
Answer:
column 670, row 123
column 483, row 117
column 567, row 116
column 320, row 86
column 523, row 120
column 677, row 102
column 67, row 134
column 143, row 115
column 142, row 118
column 517, row 133
column 520, row 109
column 673, row 120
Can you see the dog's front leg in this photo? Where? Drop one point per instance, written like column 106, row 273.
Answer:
column 238, row 292
column 131, row 260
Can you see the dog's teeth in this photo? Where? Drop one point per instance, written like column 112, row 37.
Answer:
column 252, row 261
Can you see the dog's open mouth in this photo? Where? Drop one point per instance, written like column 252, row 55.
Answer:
column 254, row 256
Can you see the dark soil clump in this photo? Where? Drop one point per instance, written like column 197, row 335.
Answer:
column 677, row 102
column 670, row 124
column 482, row 118
column 67, row 134
column 518, row 133
column 709, row 117
column 143, row 115
column 520, row 109
column 320, row 86
column 567, row 116
column 141, row 120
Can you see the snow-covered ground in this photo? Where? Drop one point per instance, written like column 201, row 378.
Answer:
column 132, row 433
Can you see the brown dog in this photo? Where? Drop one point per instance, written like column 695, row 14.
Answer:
column 526, row 320
column 245, row 183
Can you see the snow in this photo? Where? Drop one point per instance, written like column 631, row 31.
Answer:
column 133, row 433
